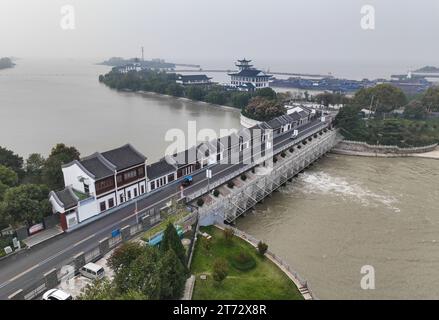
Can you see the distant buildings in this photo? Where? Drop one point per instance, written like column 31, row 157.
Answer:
column 248, row 78
column 193, row 79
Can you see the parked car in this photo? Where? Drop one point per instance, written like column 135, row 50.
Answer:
column 92, row 271
column 56, row 294
column 187, row 181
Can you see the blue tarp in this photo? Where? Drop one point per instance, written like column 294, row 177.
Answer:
column 158, row 238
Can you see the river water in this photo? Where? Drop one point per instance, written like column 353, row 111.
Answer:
column 343, row 213
column 348, row 212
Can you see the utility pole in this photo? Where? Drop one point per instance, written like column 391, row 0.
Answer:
column 143, row 56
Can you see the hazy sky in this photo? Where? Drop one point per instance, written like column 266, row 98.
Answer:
column 192, row 30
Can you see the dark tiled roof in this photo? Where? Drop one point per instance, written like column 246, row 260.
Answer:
column 124, row 157
column 250, row 73
column 274, row 123
column 67, row 198
column 96, row 166
column 193, row 77
column 159, row 169
column 295, row 116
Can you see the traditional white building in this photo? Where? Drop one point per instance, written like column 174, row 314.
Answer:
column 248, row 78
column 193, row 79
column 99, row 182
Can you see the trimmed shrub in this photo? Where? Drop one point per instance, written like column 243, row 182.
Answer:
column 283, row 154
column 200, row 202
column 299, row 146
column 216, row 193
column 243, row 177
column 291, row 149
column 230, row 184
column 243, row 261
column 262, row 248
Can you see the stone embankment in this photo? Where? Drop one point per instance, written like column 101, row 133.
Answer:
column 357, row 148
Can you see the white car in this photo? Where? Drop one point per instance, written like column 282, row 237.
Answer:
column 56, row 294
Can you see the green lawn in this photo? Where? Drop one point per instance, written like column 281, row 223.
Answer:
column 266, row 281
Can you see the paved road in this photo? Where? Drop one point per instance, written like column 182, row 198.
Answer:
column 20, row 271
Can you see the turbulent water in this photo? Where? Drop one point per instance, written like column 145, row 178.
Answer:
column 348, row 212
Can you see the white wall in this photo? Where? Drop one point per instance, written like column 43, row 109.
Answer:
column 71, row 175
column 87, row 209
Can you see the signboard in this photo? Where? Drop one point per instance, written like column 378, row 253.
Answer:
column 36, row 228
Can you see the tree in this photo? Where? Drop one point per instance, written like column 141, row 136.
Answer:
column 262, row 248
column 26, row 203
column 171, row 240
column 52, row 173
column 220, row 270
column 195, row 93
column 228, row 235
column 124, row 255
column 383, row 97
column 102, row 289
column 263, row 109
column 34, row 168
column 240, row 99
column 267, row 93
column 8, row 176
column 431, row 99
column 142, row 276
column 11, row 160
column 173, row 276
column 415, row 110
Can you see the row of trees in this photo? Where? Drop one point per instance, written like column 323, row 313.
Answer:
column 165, row 83
column 25, row 185
column 144, row 272
column 387, row 128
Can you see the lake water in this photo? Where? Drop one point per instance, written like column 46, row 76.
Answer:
column 46, row 102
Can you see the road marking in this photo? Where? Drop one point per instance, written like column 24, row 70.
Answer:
column 20, row 275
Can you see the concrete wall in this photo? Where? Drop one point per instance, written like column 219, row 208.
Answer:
column 362, row 147
column 247, row 122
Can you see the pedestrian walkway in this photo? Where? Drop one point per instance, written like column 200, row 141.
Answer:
column 42, row 236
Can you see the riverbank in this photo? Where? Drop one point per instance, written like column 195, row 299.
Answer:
column 357, row 148
column 150, row 93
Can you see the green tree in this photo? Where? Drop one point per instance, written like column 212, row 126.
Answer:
column 195, row 93
column 52, row 173
column 34, row 168
column 143, row 275
column 262, row 248
column 102, row 289
column 263, row 109
column 267, row 93
column 220, row 270
column 240, row 99
column 173, row 276
column 11, row 160
column 8, row 176
column 171, row 240
column 431, row 99
column 415, row 110
column 383, row 97
column 26, row 203
column 228, row 235
column 124, row 255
